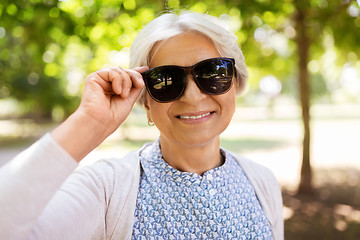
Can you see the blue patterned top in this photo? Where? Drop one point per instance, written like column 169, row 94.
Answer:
column 221, row 204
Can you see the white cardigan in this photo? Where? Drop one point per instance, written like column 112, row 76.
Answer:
column 41, row 197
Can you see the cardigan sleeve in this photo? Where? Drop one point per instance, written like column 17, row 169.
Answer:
column 28, row 182
column 39, row 200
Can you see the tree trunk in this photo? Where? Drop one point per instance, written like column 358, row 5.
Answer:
column 303, row 43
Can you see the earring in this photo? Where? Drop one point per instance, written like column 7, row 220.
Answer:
column 150, row 123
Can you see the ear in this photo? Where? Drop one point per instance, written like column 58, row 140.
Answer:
column 146, row 101
column 147, row 108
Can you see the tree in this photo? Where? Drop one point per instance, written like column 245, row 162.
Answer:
column 303, row 43
column 312, row 20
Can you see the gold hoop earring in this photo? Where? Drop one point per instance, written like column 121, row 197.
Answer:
column 150, row 123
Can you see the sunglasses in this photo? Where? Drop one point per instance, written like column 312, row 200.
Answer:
column 212, row 76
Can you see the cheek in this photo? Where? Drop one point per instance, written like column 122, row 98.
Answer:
column 229, row 104
column 158, row 112
column 229, row 99
column 231, row 107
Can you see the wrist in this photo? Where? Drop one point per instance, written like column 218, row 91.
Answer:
column 80, row 134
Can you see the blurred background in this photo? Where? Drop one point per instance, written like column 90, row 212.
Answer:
column 299, row 115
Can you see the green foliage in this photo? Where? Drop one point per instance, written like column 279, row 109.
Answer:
column 48, row 47
column 29, row 71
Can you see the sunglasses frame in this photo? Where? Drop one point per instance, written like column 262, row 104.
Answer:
column 189, row 70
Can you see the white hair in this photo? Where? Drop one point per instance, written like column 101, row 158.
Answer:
column 169, row 25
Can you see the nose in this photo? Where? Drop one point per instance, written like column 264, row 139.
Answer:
column 192, row 93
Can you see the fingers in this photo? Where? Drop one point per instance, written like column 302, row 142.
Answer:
column 120, row 81
column 141, row 69
column 138, row 82
column 135, row 74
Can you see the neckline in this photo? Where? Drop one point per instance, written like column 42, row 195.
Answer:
column 158, row 168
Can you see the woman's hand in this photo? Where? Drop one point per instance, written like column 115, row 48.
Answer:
column 108, row 97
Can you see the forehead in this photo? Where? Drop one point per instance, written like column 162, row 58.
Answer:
column 184, row 49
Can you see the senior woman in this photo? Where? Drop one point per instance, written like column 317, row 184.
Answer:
column 183, row 185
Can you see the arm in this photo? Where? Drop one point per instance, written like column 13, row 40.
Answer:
column 29, row 181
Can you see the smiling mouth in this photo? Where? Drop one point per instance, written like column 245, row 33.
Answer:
column 194, row 117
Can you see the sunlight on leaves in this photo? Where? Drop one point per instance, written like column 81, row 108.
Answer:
column 199, row 7
column 129, row 4
column 51, row 69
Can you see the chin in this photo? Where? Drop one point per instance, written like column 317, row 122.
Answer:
column 199, row 141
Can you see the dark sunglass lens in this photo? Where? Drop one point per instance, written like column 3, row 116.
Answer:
column 166, row 83
column 214, row 76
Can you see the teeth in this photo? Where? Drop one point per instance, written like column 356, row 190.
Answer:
column 195, row 117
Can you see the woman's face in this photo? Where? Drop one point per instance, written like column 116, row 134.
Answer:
column 196, row 118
